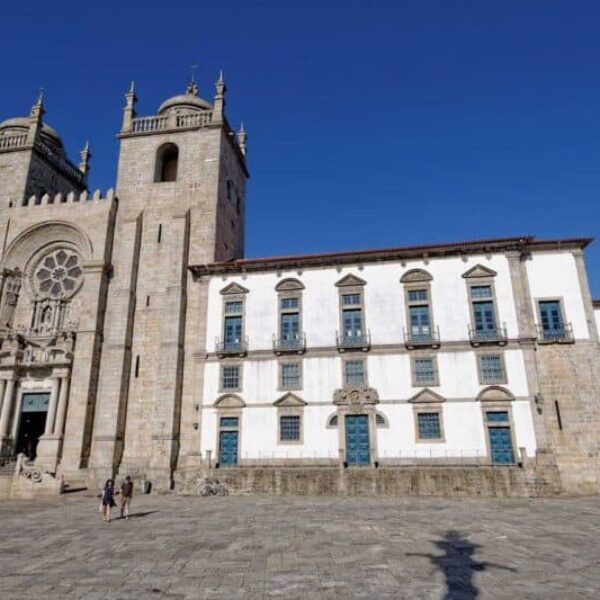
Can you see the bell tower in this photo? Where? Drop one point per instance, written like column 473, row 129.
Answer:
column 181, row 188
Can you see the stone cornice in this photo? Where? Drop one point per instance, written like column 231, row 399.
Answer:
column 491, row 246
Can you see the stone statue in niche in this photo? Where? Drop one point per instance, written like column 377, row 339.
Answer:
column 11, row 288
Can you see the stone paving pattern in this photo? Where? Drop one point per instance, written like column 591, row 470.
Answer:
column 251, row 548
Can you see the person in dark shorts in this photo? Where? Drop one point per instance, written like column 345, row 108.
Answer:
column 108, row 499
column 126, row 495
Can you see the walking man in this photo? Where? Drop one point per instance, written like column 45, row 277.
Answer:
column 126, row 495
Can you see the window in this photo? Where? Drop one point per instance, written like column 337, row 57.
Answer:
column 167, row 158
column 424, row 371
column 289, row 428
column 552, row 327
column 290, row 376
column 229, row 421
column 233, row 307
column 429, row 426
column 354, row 372
column 491, row 369
column 419, row 315
column 380, row 420
column 484, row 317
column 290, row 303
column 333, row 421
column 230, row 377
column 350, row 299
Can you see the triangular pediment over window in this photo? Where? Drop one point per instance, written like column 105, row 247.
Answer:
column 495, row 393
column 415, row 275
column 350, row 280
column 289, row 285
column 426, row 396
column 479, row 271
column 232, row 289
column 289, row 400
column 229, row 401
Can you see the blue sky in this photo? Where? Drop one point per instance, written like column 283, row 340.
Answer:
column 371, row 123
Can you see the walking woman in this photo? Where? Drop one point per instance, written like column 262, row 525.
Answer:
column 108, row 500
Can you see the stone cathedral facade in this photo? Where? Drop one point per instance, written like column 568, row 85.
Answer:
column 136, row 339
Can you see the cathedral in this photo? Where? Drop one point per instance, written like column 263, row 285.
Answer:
column 136, row 339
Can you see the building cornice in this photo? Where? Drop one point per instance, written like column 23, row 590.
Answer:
column 526, row 244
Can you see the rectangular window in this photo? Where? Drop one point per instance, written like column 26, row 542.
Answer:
column 350, row 299
column 496, row 416
column 429, row 426
column 352, row 320
column 424, row 369
column 484, row 317
column 354, row 372
column 289, row 428
column 233, row 307
column 233, row 332
column 420, row 322
column 290, row 376
column 229, row 422
column 417, row 295
column 491, row 368
column 230, row 377
column 287, row 303
column 481, row 291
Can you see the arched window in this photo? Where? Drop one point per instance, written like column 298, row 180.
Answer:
column 167, row 158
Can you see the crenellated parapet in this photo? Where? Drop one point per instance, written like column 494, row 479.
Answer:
column 70, row 198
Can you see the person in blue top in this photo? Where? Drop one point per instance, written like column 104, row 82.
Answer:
column 108, row 499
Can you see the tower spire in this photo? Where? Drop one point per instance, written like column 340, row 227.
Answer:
column 84, row 163
column 192, row 86
column 242, row 136
column 35, row 117
column 129, row 110
column 219, row 99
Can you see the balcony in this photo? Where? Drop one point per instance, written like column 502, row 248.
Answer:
column 353, row 340
column 291, row 344
column 562, row 334
column 423, row 337
column 496, row 335
column 235, row 347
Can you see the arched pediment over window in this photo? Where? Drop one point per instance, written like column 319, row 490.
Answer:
column 495, row 393
column 416, row 276
column 289, row 285
column 229, row 401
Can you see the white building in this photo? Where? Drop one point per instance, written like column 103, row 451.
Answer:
column 391, row 357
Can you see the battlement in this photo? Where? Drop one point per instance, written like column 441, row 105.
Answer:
column 70, row 198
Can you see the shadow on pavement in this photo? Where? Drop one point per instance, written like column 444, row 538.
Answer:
column 459, row 565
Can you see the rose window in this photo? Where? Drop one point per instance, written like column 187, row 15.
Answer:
column 58, row 274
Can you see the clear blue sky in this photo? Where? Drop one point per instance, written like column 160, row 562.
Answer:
column 371, row 123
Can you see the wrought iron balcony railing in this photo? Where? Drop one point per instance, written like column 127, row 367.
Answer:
column 496, row 335
column 289, row 343
column 353, row 340
column 422, row 337
column 562, row 334
column 226, row 347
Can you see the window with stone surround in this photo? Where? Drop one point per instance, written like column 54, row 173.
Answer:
column 354, row 372
column 491, row 369
column 424, row 370
column 230, row 377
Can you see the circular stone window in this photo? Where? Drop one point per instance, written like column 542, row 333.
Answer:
column 58, row 274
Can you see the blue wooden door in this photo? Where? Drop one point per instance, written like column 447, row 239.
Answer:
column 551, row 316
column 233, row 332
column 353, row 323
column 290, row 326
column 228, row 448
column 501, row 445
column 419, row 322
column 358, row 451
column 485, row 321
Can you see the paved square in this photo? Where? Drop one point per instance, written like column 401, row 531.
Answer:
column 309, row 548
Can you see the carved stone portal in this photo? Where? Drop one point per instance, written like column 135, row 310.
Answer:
column 355, row 396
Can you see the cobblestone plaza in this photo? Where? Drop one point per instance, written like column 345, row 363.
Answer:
column 302, row 548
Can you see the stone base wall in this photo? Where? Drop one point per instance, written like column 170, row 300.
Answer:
column 384, row 481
